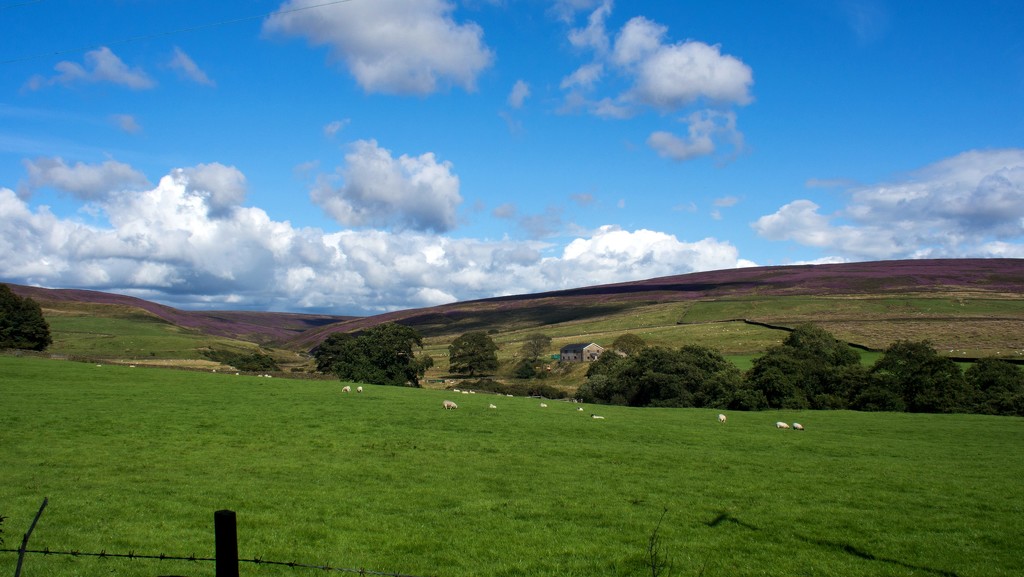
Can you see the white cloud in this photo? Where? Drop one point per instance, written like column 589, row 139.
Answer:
column 593, row 36
column 968, row 205
column 127, row 123
column 678, row 75
column 101, row 65
column 407, row 192
column 584, row 77
column 613, row 255
column 222, row 187
column 506, row 210
column 331, row 129
column 84, row 181
column 184, row 64
column 165, row 244
column 638, row 40
column 662, row 76
column 706, row 129
column 520, row 92
column 391, row 46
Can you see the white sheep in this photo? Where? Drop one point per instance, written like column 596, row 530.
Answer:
column 798, row 426
column 721, row 418
column 543, row 405
column 593, row 416
column 782, row 425
column 492, row 406
column 579, row 408
column 449, row 405
column 359, row 389
column 346, row 389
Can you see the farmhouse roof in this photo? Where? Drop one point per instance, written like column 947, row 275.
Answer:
column 578, row 346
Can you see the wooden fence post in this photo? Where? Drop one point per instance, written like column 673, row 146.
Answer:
column 24, row 540
column 226, row 533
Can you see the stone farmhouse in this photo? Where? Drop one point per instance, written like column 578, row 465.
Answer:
column 581, row 352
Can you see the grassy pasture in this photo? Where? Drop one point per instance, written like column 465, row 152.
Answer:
column 126, row 334
column 139, row 459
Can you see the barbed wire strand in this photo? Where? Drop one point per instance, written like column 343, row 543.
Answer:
column 194, row 558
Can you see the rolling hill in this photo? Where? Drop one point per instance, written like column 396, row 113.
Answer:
column 966, row 307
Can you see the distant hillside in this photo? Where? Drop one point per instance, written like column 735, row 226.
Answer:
column 257, row 327
column 842, row 296
column 994, row 278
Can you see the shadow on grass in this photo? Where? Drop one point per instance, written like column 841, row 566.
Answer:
column 846, row 548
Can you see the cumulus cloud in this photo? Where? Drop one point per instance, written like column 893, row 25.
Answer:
column 221, row 187
column 707, row 129
column 593, row 36
column 520, row 92
column 163, row 243
column 391, row 46
column 971, row 204
column 408, row 192
column 671, row 76
column 187, row 67
column 612, row 254
column 662, row 76
column 101, row 65
column 84, row 181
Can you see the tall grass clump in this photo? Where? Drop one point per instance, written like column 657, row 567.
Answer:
column 139, row 460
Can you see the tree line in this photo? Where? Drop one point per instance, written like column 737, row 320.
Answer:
column 22, row 325
column 809, row 370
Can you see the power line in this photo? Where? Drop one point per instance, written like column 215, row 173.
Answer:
column 164, row 33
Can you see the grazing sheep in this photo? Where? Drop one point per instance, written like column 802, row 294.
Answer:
column 543, row 405
column 782, row 425
column 492, row 406
column 449, row 405
column 346, row 389
column 359, row 389
column 579, row 408
column 593, row 416
column 721, row 418
column 798, row 426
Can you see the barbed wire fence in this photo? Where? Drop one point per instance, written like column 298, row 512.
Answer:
column 226, row 551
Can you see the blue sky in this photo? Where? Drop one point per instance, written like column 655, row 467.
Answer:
column 362, row 156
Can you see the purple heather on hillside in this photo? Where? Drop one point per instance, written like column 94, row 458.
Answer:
column 1002, row 276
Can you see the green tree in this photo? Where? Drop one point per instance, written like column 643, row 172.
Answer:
column 383, row 355
column 22, row 325
column 629, row 344
column 328, row 351
column 691, row 376
column 810, row 369
column 924, row 380
column 473, row 353
column 530, row 364
column 1000, row 386
column 535, row 346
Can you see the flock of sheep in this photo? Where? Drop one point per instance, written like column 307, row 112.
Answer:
column 449, row 405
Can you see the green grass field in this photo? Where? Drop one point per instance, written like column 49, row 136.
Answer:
column 139, row 459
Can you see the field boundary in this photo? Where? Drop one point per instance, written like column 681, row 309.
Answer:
column 226, row 552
